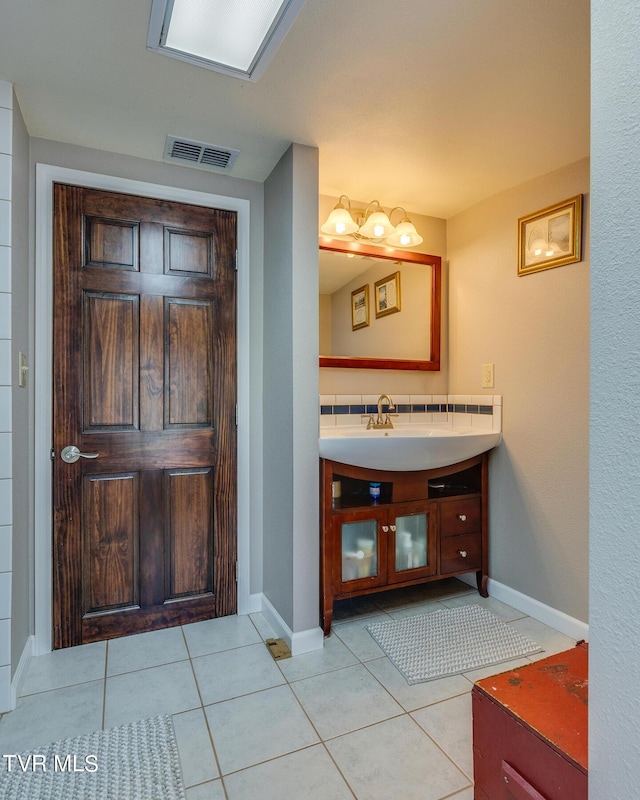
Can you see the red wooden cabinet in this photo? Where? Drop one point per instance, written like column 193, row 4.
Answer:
column 530, row 731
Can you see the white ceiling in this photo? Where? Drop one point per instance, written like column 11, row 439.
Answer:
column 429, row 104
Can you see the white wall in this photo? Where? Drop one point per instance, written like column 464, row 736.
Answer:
column 614, row 767
column 535, row 329
column 22, row 325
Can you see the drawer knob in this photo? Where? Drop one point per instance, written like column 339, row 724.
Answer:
column 463, row 553
column 462, row 517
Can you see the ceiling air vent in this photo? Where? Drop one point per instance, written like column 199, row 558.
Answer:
column 200, row 154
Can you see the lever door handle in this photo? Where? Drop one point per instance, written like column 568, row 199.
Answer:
column 71, row 454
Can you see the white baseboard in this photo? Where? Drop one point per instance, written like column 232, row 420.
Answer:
column 21, row 669
column 562, row 622
column 251, row 605
column 298, row 643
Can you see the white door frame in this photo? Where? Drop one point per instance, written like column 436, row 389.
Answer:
column 46, row 175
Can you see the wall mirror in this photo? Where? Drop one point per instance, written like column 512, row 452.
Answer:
column 379, row 307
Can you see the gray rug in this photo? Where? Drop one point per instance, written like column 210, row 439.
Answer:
column 133, row 762
column 448, row 642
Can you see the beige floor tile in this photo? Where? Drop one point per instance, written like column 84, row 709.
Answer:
column 334, row 655
column 232, row 673
column 168, row 689
column 551, row 640
column 449, row 724
column 212, row 790
column 262, row 626
column 308, row 774
column 66, row 667
column 417, row 695
column 223, row 633
column 47, row 717
column 395, row 759
column 358, row 639
column 258, row 727
column 197, row 760
column 345, row 700
column 495, row 669
column 142, row 650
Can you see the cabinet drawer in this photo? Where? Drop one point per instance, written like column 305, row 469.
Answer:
column 461, row 552
column 460, row 516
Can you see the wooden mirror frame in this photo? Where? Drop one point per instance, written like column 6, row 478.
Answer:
column 410, row 257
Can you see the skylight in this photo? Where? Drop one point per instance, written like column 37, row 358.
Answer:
column 236, row 37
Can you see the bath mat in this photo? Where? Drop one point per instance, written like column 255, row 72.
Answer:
column 133, row 762
column 448, row 642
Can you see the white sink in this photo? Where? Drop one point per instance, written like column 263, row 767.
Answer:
column 405, row 447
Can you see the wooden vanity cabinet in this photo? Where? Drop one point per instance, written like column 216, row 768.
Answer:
column 424, row 525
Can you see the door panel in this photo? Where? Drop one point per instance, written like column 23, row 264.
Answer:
column 188, row 252
column 189, row 327
column 110, row 522
column 111, row 332
column 145, row 376
column 189, row 496
column 111, row 243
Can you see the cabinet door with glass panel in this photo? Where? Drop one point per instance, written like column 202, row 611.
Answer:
column 412, row 541
column 361, row 539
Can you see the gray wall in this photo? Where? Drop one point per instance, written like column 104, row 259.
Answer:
column 278, row 389
column 291, row 545
column 614, row 767
column 535, row 329
column 22, row 399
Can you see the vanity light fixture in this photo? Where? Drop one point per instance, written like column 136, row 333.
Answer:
column 372, row 223
column 235, row 37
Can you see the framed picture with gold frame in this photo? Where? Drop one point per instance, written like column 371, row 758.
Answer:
column 551, row 237
column 387, row 295
column 360, row 307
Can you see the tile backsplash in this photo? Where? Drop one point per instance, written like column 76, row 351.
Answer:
column 476, row 411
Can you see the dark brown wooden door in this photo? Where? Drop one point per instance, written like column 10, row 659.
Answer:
column 145, row 376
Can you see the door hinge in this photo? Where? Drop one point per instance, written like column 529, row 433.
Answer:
column 236, row 571
column 236, row 260
column 236, row 415
column 52, row 454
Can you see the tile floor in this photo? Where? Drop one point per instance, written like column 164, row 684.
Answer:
column 333, row 724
